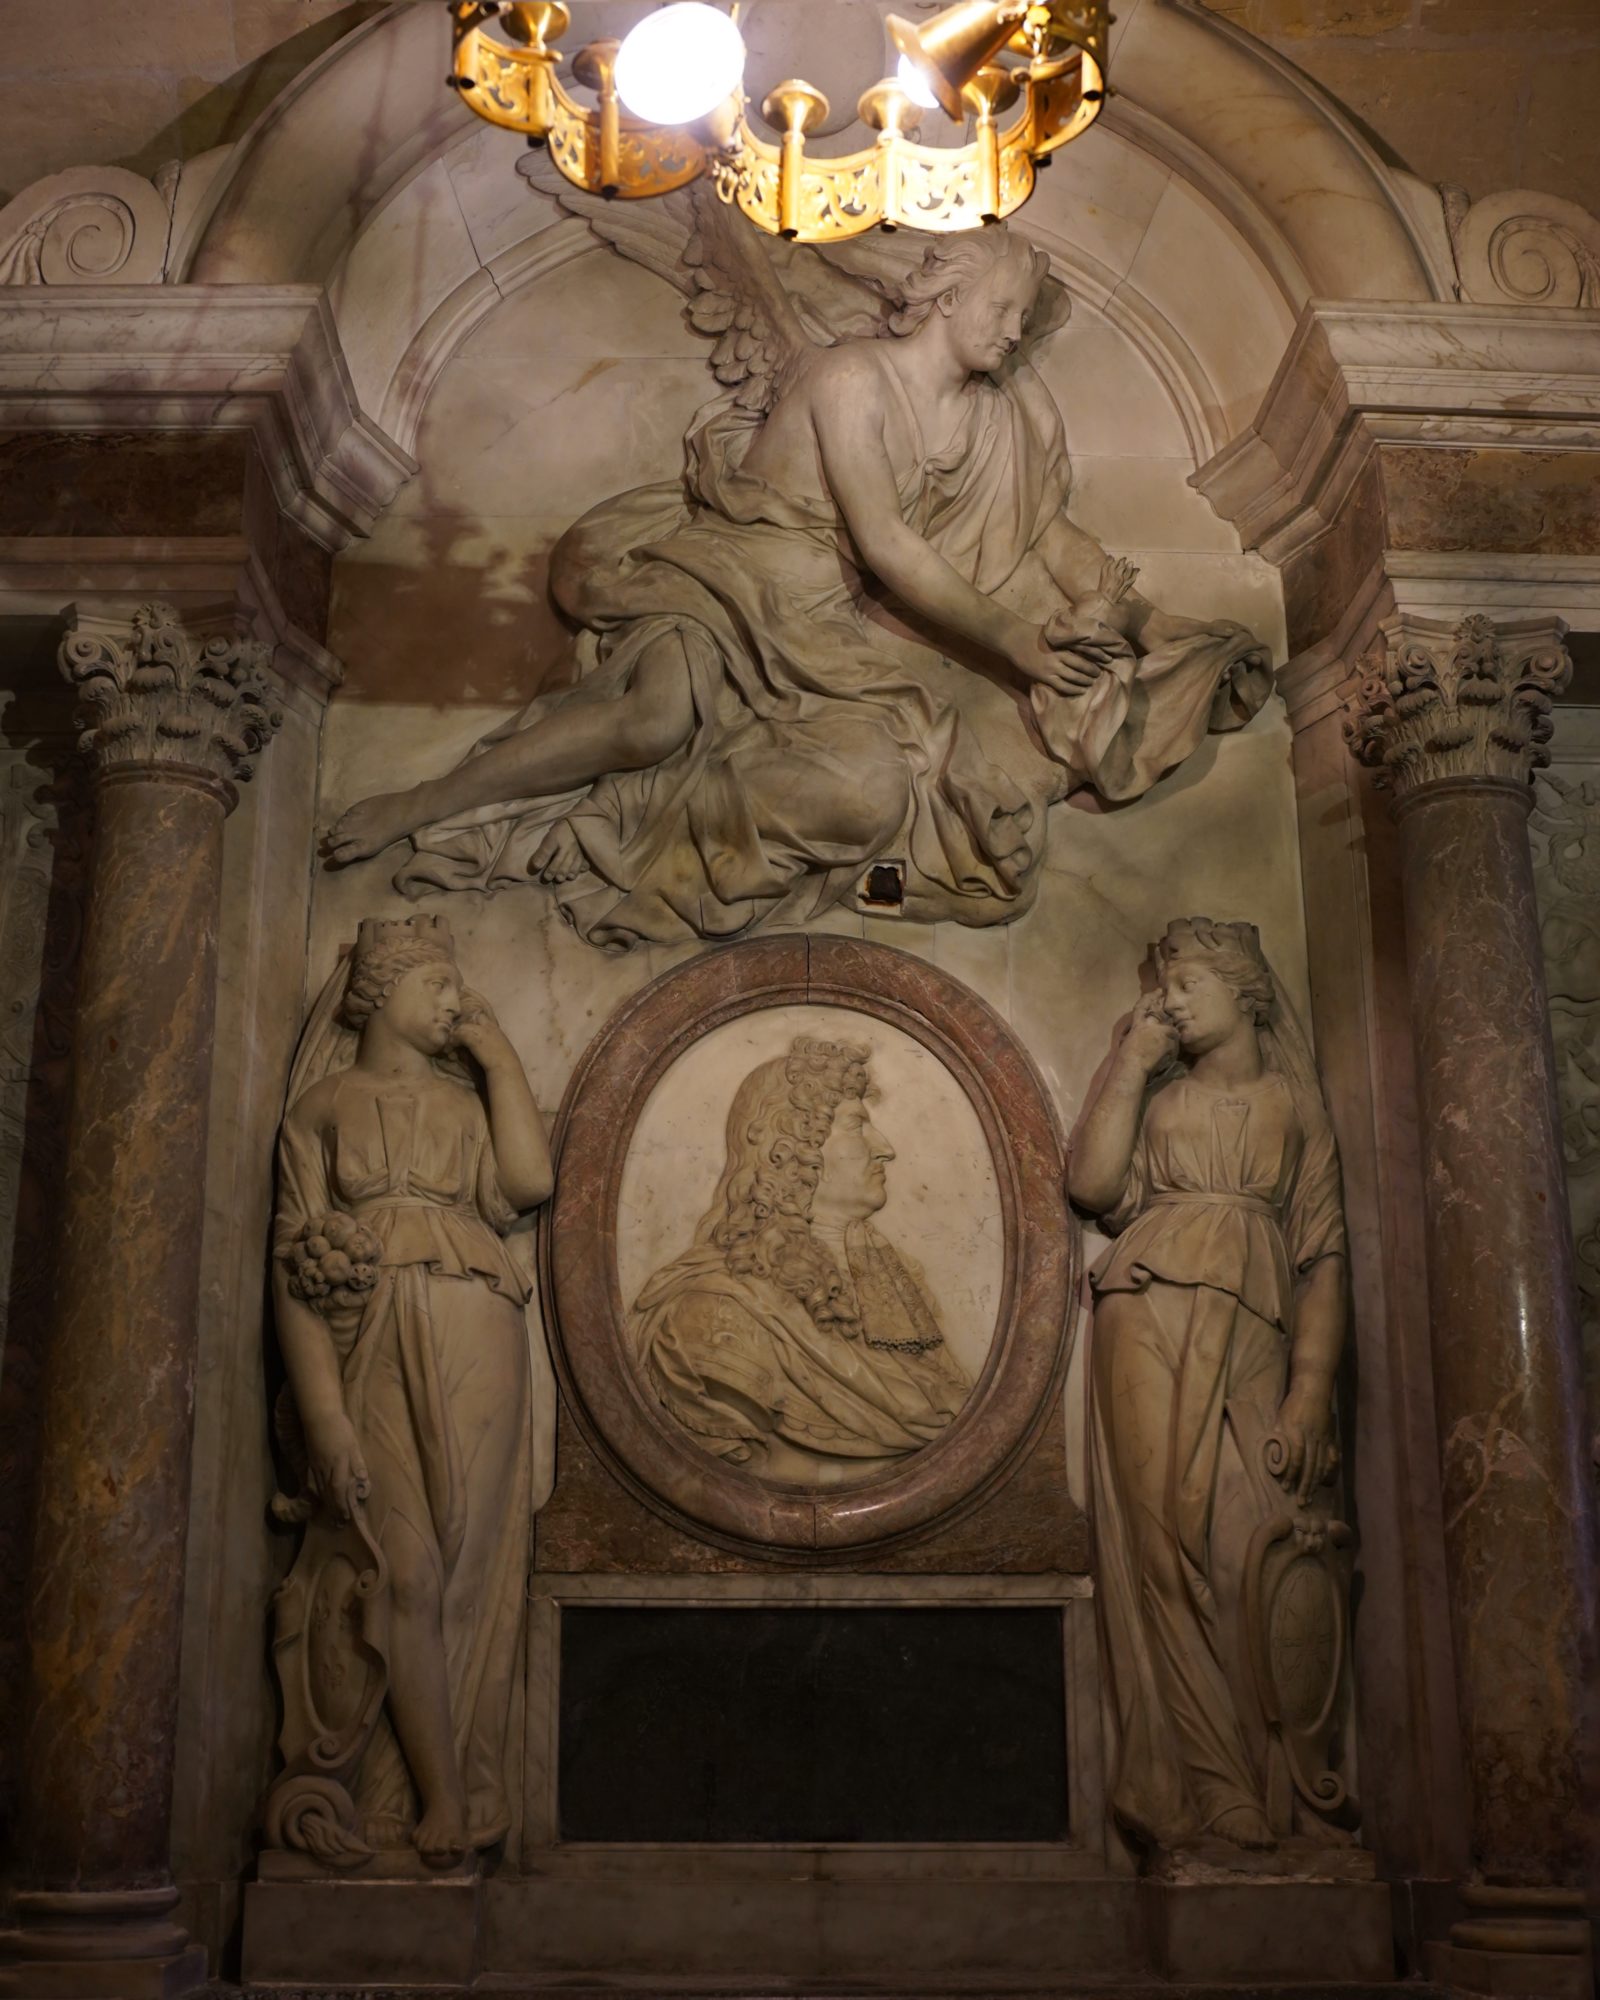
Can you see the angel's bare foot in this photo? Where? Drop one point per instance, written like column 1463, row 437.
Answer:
column 1244, row 1826
column 370, row 826
column 440, row 1836
column 558, row 857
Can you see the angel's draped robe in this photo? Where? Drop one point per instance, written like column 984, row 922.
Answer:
column 826, row 735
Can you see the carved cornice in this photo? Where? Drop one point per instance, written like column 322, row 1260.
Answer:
column 1469, row 702
column 152, row 697
column 1358, row 376
column 264, row 359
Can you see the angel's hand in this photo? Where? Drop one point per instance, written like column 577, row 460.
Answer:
column 1039, row 661
column 1088, row 631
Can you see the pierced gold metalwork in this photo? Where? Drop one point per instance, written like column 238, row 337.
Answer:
column 603, row 149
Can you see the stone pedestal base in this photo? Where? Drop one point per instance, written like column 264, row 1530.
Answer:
column 1525, row 1944
column 814, row 1921
column 1247, row 1933
column 109, row 1946
column 363, row 1933
column 178, row 1978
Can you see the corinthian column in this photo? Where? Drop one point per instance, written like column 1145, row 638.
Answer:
column 171, row 723
column 1457, row 719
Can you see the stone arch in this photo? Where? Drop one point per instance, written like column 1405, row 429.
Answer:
column 365, row 176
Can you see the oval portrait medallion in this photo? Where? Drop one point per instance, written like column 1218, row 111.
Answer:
column 808, row 1264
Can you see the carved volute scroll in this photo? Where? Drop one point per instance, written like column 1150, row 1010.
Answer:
column 1469, row 701
column 1520, row 247
column 152, row 695
column 88, row 226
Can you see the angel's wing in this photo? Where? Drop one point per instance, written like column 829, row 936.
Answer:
column 768, row 305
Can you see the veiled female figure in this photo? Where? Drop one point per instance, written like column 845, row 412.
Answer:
column 1219, row 1317
column 403, row 1327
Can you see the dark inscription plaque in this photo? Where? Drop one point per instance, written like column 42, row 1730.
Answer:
column 812, row 1725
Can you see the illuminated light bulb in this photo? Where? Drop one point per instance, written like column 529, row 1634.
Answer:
column 680, row 63
column 915, row 85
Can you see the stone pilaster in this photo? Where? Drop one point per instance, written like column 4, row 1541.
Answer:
column 1456, row 718
column 172, row 722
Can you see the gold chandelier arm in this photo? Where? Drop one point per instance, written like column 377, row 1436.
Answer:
column 1060, row 105
column 517, row 87
column 649, row 159
column 508, row 85
column 783, row 190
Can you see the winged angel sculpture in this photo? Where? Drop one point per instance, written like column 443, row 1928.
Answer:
column 860, row 627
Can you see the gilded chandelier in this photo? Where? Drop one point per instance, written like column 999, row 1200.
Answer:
column 1055, row 84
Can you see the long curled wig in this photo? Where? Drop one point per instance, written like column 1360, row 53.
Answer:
column 761, row 1220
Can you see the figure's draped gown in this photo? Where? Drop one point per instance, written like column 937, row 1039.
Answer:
column 1231, row 1197
column 435, row 1385
column 824, row 740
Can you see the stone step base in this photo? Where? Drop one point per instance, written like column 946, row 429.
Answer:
column 491, row 1989
column 703, row 1930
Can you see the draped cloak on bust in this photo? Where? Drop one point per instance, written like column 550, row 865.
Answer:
column 826, row 738
column 736, row 1358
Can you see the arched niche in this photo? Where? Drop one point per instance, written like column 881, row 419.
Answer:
column 1218, row 192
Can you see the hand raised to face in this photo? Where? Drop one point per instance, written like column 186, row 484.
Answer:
column 478, row 1032
column 1149, row 1038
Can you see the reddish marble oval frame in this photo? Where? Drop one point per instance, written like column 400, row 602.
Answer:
column 584, row 1309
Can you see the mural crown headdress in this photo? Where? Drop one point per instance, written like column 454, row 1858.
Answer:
column 378, row 936
column 1188, row 936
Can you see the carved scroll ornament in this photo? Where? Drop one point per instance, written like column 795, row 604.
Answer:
column 159, row 696
column 1523, row 248
column 88, row 226
column 1468, row 702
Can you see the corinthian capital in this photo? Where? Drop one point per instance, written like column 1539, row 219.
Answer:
column 151, row 695
column 1458, row 701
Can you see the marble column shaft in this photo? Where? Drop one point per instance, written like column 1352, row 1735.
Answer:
column 1502, row 1302
column 172, row 725
column 106, row 1593
column 1457, row 721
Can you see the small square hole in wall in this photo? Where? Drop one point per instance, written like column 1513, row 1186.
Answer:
column 883, row 888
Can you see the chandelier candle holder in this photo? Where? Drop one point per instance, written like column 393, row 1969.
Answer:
column 669, row 106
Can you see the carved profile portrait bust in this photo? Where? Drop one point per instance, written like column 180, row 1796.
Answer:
column 809, row 1269
column 792, row 1336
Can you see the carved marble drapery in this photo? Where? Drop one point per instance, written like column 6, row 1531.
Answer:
column 171, row 723
column 1457, row 720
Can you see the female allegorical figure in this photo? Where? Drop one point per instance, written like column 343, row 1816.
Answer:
column 1219, row 1317
column 407, row 1352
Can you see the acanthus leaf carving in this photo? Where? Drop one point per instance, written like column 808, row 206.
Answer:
column 1469, row 701
column 159, row 696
